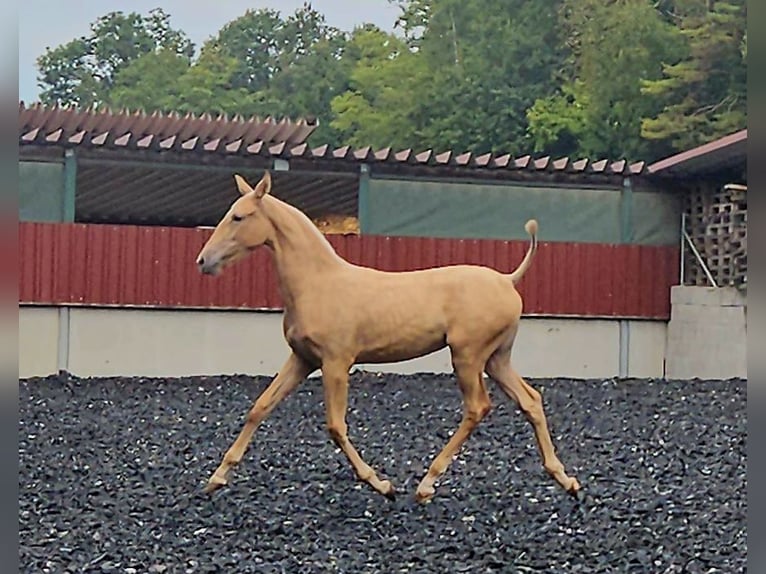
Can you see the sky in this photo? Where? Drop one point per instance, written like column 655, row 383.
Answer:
column 50, row 23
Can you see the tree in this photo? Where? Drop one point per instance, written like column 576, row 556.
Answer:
column 82, row 72
column 376, row 108
column 149, row 83
column 208, row 87
column 163, row 81
column 308, row 86
column 598, row 110
column 704, row 92
column 615, row 78
column 485, row 69
column 259, row 64
column 263, row 43
column 254, row 41
column 291, row 67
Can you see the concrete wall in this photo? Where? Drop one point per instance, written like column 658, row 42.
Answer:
column 38, row 341
column 707, row 333
column 577, row 348
column 140, row 342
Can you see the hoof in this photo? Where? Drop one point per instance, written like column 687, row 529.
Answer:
column 424, row 494
column 390, row 491
column 214, row 484
column 575, row 490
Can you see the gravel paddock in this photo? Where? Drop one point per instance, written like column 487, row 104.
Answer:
column 111, row 472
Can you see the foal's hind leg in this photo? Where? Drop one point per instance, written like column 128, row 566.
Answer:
column 288, row 378
column 531, row 404
column 476, row 405
column 335, row 379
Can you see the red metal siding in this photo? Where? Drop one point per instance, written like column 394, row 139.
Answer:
column 154, row 266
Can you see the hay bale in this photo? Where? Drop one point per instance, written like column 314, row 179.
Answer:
column 337, row 224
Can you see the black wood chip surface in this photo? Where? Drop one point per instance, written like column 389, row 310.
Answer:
column 111, row 473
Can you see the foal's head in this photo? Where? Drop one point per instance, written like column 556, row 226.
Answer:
column 243, row 228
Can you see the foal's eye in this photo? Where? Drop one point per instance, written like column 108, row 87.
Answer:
column 236, row 218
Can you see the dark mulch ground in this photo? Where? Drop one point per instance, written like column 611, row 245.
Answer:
column 110, row 474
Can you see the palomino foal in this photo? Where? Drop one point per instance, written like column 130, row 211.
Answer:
column 338, row 314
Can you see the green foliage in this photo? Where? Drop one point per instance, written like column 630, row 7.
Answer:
column 485, row 69
column 163, row 81
column 207, row 87
column 375, row 109
column 264, row 43
column 617, row 78
column 704, row 93
column 558, row 121
column 253, row 41
column 615, row 46
column 83, row 71
column 307, row 86
column 149, row 82
column 288, row 67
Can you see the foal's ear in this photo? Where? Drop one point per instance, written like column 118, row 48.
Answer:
column 243, row 187
column 264, row 186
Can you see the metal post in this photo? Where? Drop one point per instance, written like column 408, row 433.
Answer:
column 683, row 230
column 364, row 193
column 626, row 236
column 70, row 185
column 699, row 259
column 62, row 358
column 624, row 348
column 626, row 211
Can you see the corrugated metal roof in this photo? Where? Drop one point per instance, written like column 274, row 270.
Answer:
column 39, row 124
column 285, row 139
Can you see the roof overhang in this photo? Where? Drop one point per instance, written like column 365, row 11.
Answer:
column 726, row 155
column 207, row 140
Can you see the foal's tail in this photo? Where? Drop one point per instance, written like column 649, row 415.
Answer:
column 531, row 228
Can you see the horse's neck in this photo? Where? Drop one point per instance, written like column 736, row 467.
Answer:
column 302, row 254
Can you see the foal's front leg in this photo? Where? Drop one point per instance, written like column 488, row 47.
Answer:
column 292, row 373
column 335, row 379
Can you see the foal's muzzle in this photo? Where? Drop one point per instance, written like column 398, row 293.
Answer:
column 207, row 266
